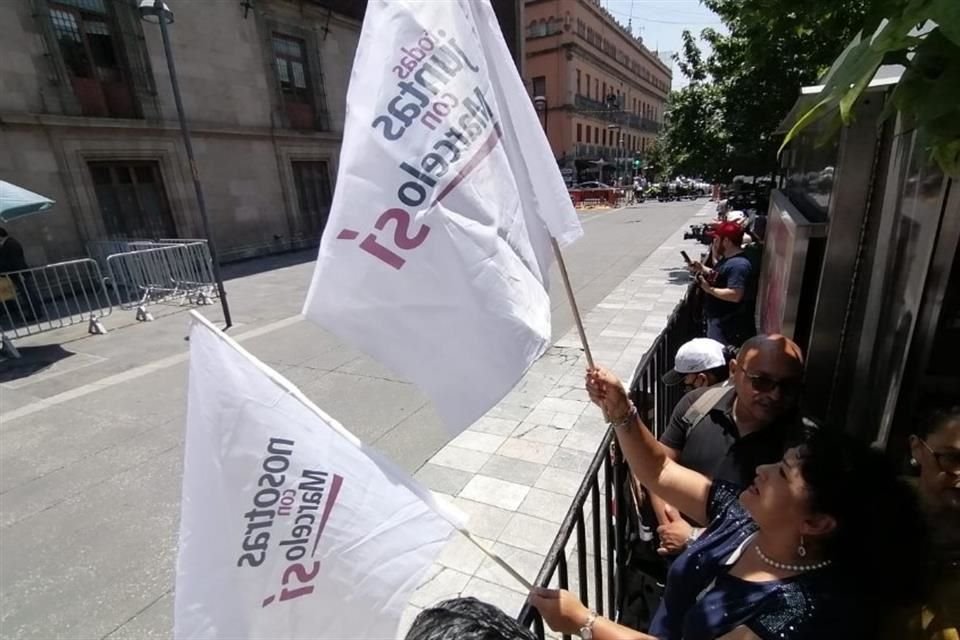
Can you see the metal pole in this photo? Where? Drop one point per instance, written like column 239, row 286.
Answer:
column 193, row 167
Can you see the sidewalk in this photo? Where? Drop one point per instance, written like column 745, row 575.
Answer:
column 515, row 471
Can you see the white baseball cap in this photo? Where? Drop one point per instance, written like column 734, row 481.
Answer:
column 736, row 216
column 696, row 356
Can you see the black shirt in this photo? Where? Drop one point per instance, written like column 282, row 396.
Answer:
column 715, row 448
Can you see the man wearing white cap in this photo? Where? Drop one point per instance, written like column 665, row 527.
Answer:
column 702, row 362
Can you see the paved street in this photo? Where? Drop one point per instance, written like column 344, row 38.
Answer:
column 91, row 428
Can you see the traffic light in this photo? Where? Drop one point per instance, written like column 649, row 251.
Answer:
column 636, row 163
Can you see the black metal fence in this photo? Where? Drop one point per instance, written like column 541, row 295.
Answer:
column 604, row 498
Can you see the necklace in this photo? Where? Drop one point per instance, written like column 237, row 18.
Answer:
column 796, row 568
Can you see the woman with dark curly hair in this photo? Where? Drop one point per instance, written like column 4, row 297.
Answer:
column 810, row 550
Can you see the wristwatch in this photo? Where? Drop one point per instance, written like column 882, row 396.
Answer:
column 586, row 631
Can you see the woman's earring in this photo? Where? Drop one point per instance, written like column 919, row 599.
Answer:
column 801, row 550
column 914, row 463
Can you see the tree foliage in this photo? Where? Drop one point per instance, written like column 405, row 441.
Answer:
column 924, row 37
column 750, row 80
column 695, row 140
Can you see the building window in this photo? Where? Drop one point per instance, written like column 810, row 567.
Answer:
column 579, row 132
column 290, row 59
column 604, row 137
column 643, row 144
column 588, row 85
column 578, row 82
column 540, row 86
column 312, row 180
column 596, row 88
column 604, row 94
column 88, row 43
column 133, row 202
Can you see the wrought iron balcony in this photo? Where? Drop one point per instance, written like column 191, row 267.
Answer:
column 597, row 109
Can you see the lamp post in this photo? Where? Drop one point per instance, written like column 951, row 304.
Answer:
column 540, row 104
column 157, row 12
column 619, row 144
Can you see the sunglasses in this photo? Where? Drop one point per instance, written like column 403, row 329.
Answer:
column 947, row 461
column 766, row 384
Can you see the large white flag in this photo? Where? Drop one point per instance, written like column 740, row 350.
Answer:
column 290, row 527
column 435, row 257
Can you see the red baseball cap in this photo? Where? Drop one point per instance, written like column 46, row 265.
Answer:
column 730, row 230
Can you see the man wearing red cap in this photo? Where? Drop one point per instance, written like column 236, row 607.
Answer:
column 730, row 288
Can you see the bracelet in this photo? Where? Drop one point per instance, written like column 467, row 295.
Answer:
column 625, row 420
column 586, row 631
column 695, row 533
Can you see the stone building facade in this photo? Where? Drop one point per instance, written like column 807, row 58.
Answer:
column 605, row 91
column 87, row 117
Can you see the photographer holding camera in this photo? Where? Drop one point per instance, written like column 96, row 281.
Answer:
column 730, row 287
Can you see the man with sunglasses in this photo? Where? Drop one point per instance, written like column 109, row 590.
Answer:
column 726, row 432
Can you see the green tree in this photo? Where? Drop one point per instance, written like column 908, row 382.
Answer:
column 924, row 37
column 694, row 140
column 750, row 80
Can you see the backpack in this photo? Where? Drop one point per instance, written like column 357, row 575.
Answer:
column 703, row 405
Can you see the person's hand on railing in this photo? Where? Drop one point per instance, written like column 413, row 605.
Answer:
column 565, row 614
column 560, row 609
column 674, row 535
column 608, row 393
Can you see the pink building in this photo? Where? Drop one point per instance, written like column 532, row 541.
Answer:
column 605, row 91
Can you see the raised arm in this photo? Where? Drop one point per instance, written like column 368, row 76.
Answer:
column 685, row 489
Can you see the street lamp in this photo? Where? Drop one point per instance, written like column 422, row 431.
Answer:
column 619, row 145
column 157, row 12
column 540, row 104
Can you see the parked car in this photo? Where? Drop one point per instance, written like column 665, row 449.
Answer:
column 592, row 184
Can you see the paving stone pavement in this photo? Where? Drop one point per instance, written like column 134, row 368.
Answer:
column 515, row 470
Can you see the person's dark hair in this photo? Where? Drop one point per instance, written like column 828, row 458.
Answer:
column 466, row 619
column 3, row 233
column 719, row 373
column 937, row 419
column 880, row 542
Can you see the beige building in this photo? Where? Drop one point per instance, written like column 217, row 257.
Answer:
column 87, row 117
column 605, row 91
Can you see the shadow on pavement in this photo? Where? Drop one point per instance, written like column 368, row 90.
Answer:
column 31, row 361
column 677, row 275
column 260, row 264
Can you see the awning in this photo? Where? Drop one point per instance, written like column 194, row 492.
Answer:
column 16, row 202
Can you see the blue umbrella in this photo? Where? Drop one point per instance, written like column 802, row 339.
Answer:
column 16, row 202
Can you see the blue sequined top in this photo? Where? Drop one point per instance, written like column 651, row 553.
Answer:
column 703, row 602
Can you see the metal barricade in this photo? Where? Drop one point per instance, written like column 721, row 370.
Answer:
column 179, row 271
column 51, row 297
column 603, row 500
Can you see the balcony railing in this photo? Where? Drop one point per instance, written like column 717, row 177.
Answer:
column 597, row 109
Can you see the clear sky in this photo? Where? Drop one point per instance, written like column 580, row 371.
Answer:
column 661, row 23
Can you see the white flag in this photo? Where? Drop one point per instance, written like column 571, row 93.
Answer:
column 435, row 257
column 290, row 527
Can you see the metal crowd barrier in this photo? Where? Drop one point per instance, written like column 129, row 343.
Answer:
column 148, row 272
column 600, row 577
column 51, row 297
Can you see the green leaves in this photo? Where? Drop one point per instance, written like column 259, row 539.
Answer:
column 751, row 80
column 923, row 36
